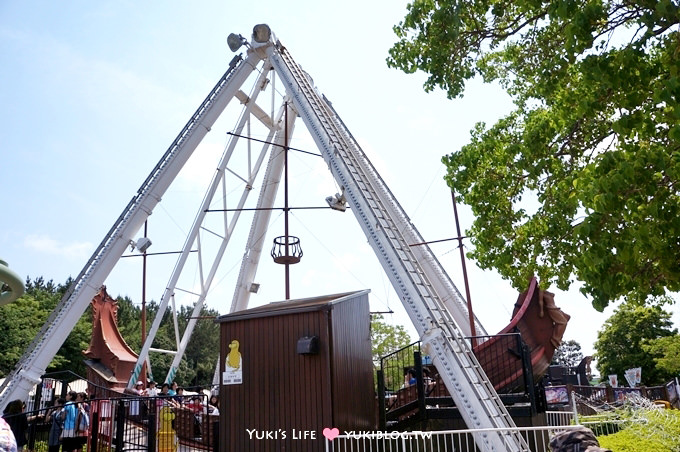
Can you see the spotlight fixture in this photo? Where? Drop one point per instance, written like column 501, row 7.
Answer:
column 235, row 41
column 262, row 33
column 142, row 244
column 338, row 201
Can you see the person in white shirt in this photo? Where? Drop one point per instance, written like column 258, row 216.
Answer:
column 151, row 390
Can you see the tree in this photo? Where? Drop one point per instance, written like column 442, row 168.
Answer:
column 386, row 338
column 666, row 352
column 620, row 342
column 568, row 354
column 129, row 319
column 203, row 350
column 24, row 318
column 197, row 366
column 582, row 179
column 20, row 321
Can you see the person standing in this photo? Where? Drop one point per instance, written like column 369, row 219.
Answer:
column 7, row 441
column 137, row 391
column 55, row 416
column 69, row 440
column 82, row 420
column 18, row 422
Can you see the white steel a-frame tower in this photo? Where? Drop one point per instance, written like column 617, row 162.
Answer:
column 430, row 298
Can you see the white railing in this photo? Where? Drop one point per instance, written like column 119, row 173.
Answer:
column 538, row 439
column 556, row 418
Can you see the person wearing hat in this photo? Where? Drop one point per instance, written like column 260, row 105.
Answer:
column 137, row 390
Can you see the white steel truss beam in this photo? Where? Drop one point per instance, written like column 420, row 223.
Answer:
column 44, row 347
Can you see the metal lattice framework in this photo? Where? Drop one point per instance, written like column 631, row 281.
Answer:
column 433, row 303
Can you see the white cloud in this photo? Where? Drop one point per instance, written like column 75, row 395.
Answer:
column 48, row 245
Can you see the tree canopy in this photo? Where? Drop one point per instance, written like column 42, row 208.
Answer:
column 568, row 354
column 666, row 352
column 24, row 318
column 581, row 180
column 621, row 343
column 386, row 338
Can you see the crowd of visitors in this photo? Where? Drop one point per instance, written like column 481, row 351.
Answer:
column 68, row 419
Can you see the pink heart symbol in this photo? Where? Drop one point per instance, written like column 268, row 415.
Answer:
column 331, row 433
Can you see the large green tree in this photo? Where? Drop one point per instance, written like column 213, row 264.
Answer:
column 23, row 319
column 386, row 338
column 620, row 343
column 200, row 357
column 581, row 180
column 666, row 352
column 568, row 354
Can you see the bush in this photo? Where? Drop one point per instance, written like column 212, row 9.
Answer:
column 655, row 430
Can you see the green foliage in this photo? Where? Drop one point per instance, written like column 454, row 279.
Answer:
column 649, row 430
column 568, row 354
column 386, row 338
column 200, row 357
column 24, row 318
column 129, row 322
column 581, row 180
column 40, row 446
column 198, row 365
column 21, row 321
column 620, row 342
column 666, row 352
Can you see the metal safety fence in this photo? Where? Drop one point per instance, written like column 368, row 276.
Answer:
column 538, row 439
column 161, row 424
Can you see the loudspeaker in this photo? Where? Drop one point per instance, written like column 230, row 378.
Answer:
column 308, row 345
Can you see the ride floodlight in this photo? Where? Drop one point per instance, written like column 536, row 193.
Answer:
column 262, row 33
column 143, row 244
column 235, row 41
column 337, row 202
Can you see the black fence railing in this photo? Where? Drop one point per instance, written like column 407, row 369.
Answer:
column 506, row 360
column 396, row 365
column 135, row 424
column 408, row 383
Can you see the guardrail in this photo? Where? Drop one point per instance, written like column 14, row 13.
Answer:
column 135, row 423
column 538, row 439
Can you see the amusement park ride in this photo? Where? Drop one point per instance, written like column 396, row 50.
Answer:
column 434, row 305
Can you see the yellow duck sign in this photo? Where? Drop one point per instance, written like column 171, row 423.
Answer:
column 233, row 372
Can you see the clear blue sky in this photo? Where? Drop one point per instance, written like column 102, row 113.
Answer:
column 93, row 93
